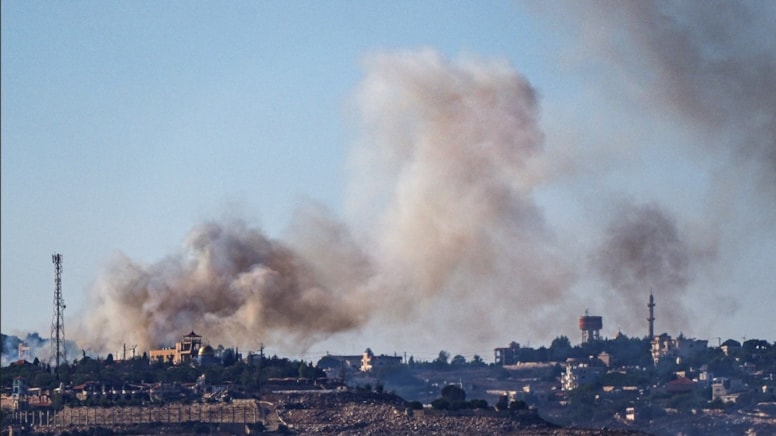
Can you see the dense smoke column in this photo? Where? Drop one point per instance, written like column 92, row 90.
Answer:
column 229, row 282
column 642, row 252
column 442, row 219
column 443, row 178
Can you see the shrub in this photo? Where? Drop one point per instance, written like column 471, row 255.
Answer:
column 416, row 405
column 518, row 405
column 479, row 404
column 453, row 393
column 441, row 404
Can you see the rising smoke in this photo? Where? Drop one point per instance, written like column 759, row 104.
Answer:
column 711, row 63
column 229, row 281
column 643, row 249
column 443, row 196
column 442, row 211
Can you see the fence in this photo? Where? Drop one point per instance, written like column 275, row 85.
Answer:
column 235, row 412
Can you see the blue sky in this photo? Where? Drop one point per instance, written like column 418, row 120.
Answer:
column 125, row 124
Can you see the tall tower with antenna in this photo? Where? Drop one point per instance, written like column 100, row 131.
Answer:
column 651, row 318
column 57, row 355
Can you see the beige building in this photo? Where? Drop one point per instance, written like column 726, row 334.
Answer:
column 680, row 347
column 184, row 351
column 580, row 372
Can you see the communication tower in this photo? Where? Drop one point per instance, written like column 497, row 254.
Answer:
column 57, row 320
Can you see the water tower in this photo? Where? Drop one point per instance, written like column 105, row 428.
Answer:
column 591, row 327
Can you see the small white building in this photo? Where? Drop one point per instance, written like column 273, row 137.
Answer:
column 727, row 389
column 369, row 361
column 680, row 347
column 580, row 372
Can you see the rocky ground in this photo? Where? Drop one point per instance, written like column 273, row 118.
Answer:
column 380, row 414
column 321, row 412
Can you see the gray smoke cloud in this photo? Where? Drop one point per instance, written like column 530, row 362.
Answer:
column 711, row 63
column 229, row 282
column 705, row 69
column 644, row 251
column 446, row 166
column 441, row 188
column 442, row 210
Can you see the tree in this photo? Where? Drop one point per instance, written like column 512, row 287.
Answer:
column 440, row 404
column 518, row 405
column 458, row 360
column 228, row 357
column 560, row 348
column 477, row 360
column 306, row 371
column 109, row 359
column 453, row 393
column 441, row 361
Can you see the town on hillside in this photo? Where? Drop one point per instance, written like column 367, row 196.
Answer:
column 658, row 383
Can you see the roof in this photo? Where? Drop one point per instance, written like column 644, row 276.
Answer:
column 193, row 334
column 681, row 384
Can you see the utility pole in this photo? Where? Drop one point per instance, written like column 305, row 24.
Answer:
column 261, row 360
column 58, row 355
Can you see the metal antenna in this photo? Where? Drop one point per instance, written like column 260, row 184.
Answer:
column 57, row 356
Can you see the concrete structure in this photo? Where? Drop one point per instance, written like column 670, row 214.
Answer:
column 727, row 389
column 369, row 361
column 605, row 358
column 680, row 348
column 339, row 367
column 24, row 351
column 731, row 346
column 507, row 355
column 580, row 372
column 631, row 414
column 185, row 351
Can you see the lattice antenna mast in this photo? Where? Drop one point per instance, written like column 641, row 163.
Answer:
column 58, row 320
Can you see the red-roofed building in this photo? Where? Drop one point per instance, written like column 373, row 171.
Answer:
column 681, row 385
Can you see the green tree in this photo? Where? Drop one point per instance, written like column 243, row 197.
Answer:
column 560, row 348
column 453, row 393
column 441, row 361
column 458, row 360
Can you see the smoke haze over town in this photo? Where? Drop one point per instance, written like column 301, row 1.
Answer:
column 408, row 193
